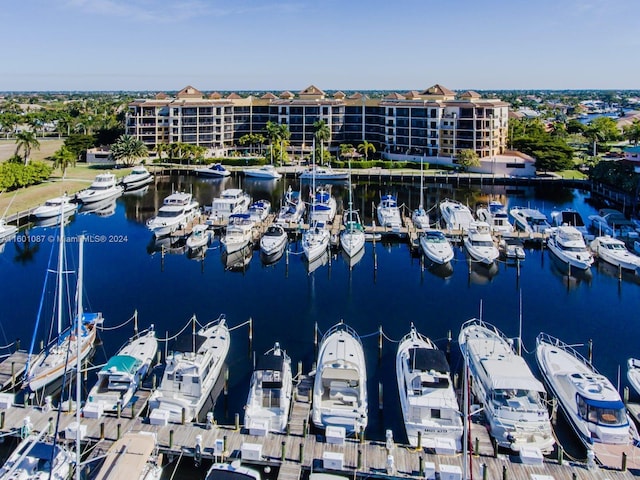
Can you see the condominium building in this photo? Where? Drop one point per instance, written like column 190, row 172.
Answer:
column 435, row 123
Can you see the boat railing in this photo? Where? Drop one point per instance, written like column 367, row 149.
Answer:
column 488, row 326
column 546, row 338
column 342, row 327
column 420, row 336
column 221, row 320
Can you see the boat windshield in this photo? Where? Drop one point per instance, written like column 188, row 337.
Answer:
column 482, row 243
column 538, row 221
column 516, row 398
column 573, row 249
column 607, row 413
column 436, row 237
column 614, row 246
column 169, row 213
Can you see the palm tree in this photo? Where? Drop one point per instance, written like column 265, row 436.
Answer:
column 128, row 149
column 322, row 134
column 160, row 149
column 595, row 135
column 26, row 141
column 63, row 158
column 366, row 147
column 346, row 150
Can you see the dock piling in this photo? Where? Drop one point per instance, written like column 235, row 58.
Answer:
column 118, row 431
column 380, row 397
column 590, row 349
column 283, row 450
column 624, row 462
column 101, row 430
column 301, row 453
column 183, row 418
column 237, row 421
column 250, row 334
column 379, row 342
column 170, row 438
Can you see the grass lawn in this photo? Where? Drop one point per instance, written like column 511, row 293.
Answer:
column 572, row 174
column 47, row 148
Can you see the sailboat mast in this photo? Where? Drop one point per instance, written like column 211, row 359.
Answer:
column 350, row 217
column 421, row 184
column 80, row 314
column 61, row 241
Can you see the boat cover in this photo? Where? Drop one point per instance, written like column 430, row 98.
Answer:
column 122, row 363
column 426, row 359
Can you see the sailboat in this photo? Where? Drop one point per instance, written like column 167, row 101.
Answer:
column 315, row 240
column 352, row 238
column 419, row 216
column 67, row 346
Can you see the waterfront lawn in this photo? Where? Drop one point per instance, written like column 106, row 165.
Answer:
column 572, row 174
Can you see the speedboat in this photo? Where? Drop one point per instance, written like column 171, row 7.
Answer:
column 266, row 172
column 200, row 237
column 615, row 252
column 633, row 373
column 511, row 248
column 120, row 377
column 134, row 456
column 259, row 211
column 513, row 400
column 6, row 231
column 429, row 404
column 323, row 207
column 274, row 241
column 52, row 208
column 479, row 243
column 104, row 186
column 529, row 220
column 137, row 178
column 567, row 244
column 239, row 232
column 388, row 213
column 292, row 209
column 570, row 217
column 315, row 241
column 589, row 400
column 267, row 408
column 176, row 211
column 215, row 170
column 455, row 215
column 191, row 372
column 436, row 246
column 496, row 216
column 231, row 471
column 230, row 201
column 323, row 173
column 614, row 223
column 352, row 237
column 340, row 384
column 38, row 458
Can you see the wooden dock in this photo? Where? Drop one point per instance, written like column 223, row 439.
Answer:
column 12, row 369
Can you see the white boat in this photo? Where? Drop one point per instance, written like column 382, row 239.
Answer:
column 267, row 408
column 615, row 252
column 323, row 173
column 239, row 232
column 200, row 237
column 176, row 211
column 419, row 216
column 137, row 178
column 274, row 241
column 614, row 223
column 134, row 457
column 529, row 220
column 315, row 241
column 230, row 201
column 260, row 210
column 352, row 238
column 479, row 243
column 323, row 207
column 512, row 248
column 215, row 170
column 513, row 399
column 103, row 208
column 589, row 400
column 292, row 210
column 52, row 207
column 496, row 216
column 7, row 232
column 238, row 260
column 104, row 186
column 436, row 246
column 63, row 347
column 120, row 377
column 455, row 215
column 340, row 384
column 231, row 471
column 266, row 172
column 567, row 244
column 570, row 217
column 191, row 372
column 388, row 213
column 429, row 404
column 38, row 458
column 633, row 373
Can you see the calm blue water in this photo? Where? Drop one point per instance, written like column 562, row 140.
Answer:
column 387, row 287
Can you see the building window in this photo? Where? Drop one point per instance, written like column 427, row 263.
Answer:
column 516, row 165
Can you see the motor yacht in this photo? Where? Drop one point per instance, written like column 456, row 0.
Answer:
column 239, row 232
column 134, row 456
column 340, row 384
column 104, row 186
column 429, row 404
column 479, row 243
column 323, row 173
column 191, row 371
column 215, row 170
column 614, row 223
column 315, row 241
column 323, row 206
column 266, row 172
column 292, row 209
column 571, row 217
column 53, row 207
column 137, row 178
column 176, row 211
column 231, row 471
column 567, row 244
column 273, row 242
column 230, row 201
column 496, row 216
column 259, row 210
column 514, row 401
column 120, row 377
column 388, row 213
column 200, row 237
column 529, row 220
column 455, row 215
column 436, row 246
column 633, row 373
column 7, row 231
column 614, row 251
column 267, row 408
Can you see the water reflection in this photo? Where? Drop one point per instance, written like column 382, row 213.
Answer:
column 571, row 277
column 239, row 260
column 103, row 208
column 168, row 244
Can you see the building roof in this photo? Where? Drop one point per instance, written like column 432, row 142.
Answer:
column 356, row 96
column 286, row 94
column 394, row 96
column 634, row 149
column 215, row 96
column 412, row 94
column 190, row 92
column 161, row 96
column 438, row 90
column 233, row 96
column 269, row 96
column 339, row 94
column 311, row 90
column 470, row 94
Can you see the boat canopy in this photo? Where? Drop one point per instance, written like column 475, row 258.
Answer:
column 608, row 404
column 121, row 363
column 243, row 216
column 511, row 373
column 271, row 362
column 427, row 359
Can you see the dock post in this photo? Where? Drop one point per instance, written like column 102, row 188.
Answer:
column 224, row 440
column 183, row 418
column 299, row 369
column 288, row 428
column 250, row 334
column 118, row 409
column 590, row 350
column 560, row 455
column 226, row 383
column 315, row 339
column 624, row 462
column 301, row 453
column 359, row 466
column 41, row 345
column 380, row 397
column 361, row 434
column 153, row 381
column 494, row 443
column 504, row 472
column 476, row 447
column 237, row 421
column 420, row 464
column 619, row 272
column 379, row 342
column 101, row 430
column 133, row 409
column 2, row 420
column 13, row 374
column 283, row 451
column 158, row 356
column 625, row 395
column 448, row 351
column 17, row 344
column 170, row 439
column 135, row 322
column 420, row 445
column 118, row 431
column 304, row 427
column 485, row 472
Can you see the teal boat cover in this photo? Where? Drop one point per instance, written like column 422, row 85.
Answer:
column 122, row 363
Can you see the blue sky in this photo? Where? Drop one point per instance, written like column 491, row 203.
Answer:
column 334, row 44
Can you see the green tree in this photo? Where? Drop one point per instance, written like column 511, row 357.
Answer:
column 632, row 132
column 467, row 158
column 26, row 141
column 63, row 158
column 365, row 148
column 128, row 150
column 79, row 143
